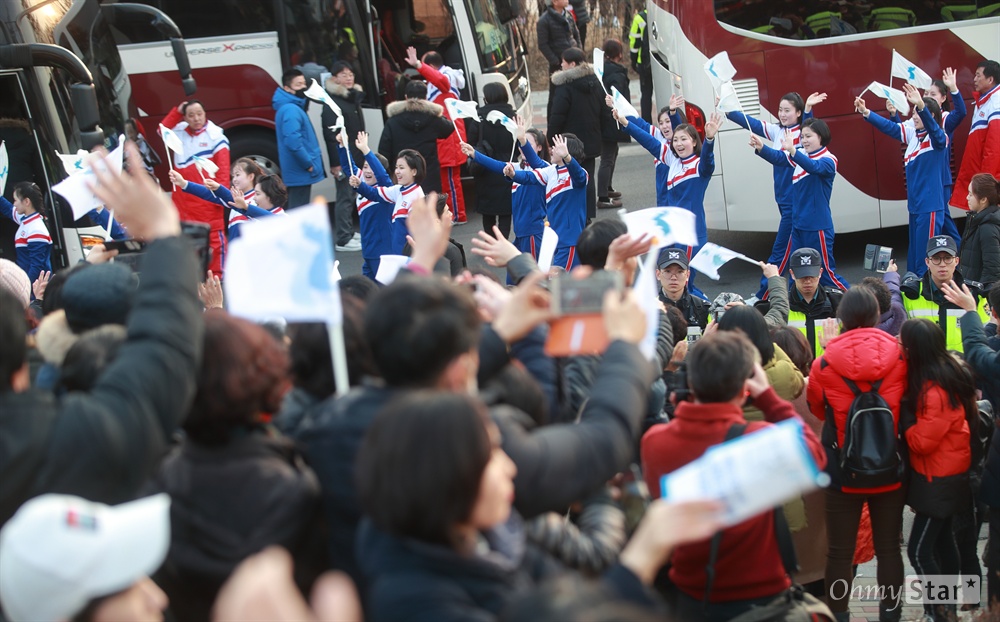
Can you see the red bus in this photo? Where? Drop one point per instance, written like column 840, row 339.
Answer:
column 808, row 46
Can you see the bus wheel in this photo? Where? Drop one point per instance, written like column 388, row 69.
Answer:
column 261, row 147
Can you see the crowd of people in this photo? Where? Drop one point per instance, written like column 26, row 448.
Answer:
column 161, row 455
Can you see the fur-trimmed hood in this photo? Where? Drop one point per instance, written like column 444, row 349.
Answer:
column 573, row 73
column 54, row 337
column 414, row 105
column 341, row 91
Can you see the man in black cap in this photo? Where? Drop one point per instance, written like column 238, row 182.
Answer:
column 807, row 301
column 672, row 273
column 923, row 298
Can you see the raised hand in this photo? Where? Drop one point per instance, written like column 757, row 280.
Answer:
column 354, row 180
column 362, row 143
column 913, row 96
column 508, row 170
column 559, row 150
column 609, row 101
column 137, row 201
column 769, row 269
column 890, row 108
column 411, row 57
column 211, row 184
column 495, row 249
column 788, row 143
column 429, row 233
column 177, row 180
column 522, row 128
column 950, row 79
column 961, row 298
column 620, row 118
column 860, row 106
column 238, row 201
column 677, row 102
column 892, row 267
column 527, row 308
column 712, row 127
column 210, row 292
column 813, row 99
column 38, row 287
column 468, row 150
column 756, row 142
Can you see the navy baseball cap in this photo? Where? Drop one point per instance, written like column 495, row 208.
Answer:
column 806, row 262
column 676, row 256
column 942, row 244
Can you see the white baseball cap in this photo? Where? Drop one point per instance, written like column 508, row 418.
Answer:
column 59, row 552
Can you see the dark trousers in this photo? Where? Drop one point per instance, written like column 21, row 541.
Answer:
column 645, row 72
column 589, row 164
column 843, row 516
column 298, row 196
column 609, row 156
column 583, row 34
column 993, row 557
column 502, row 221
column 344, row 208
column 932, row 548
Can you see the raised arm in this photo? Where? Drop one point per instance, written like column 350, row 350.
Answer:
column 7, row 209
column 101, row 217
column 939, row 140
column 774, row 156
column 656, row 147
column 958, row 114
column 822, row 167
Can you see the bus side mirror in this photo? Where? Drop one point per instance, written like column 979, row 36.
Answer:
column 88, row 116
column 183, row 65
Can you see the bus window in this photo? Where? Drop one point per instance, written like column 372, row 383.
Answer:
column 432, row 20
column 493, row 41
column 198, row 18
column 22, row 151
column 818, row 19
column 318, row 47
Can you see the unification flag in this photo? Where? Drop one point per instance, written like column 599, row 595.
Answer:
column 171, row 140
column 495, row 116
column 711, row 257
column 550, row 239
column 389, row 267
column 205, row 166
column 318, row 93
column 897, row 97
column 667, row 225
column 720, row 70
column 647, row 291
column 458, row 109
column 729, row 101
column 622, row 105
column 74, row 163
column 76, row 187
column 902, row 68
column 4, row 167
column 599, row 67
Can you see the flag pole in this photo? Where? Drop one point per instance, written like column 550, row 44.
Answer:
column 338, row 353
column 170, row 164
column 111, row 221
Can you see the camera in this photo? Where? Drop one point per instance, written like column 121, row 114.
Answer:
column 572, row 296
column 877, row 257
column 678, row 385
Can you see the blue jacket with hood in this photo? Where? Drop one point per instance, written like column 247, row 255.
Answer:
column 298, row 147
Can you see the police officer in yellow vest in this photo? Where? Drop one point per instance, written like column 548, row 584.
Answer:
column 638, row 46
column 808, row 303
column 923, row 298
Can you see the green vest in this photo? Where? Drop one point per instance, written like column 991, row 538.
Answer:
column 797, row 319
column 635, row 36
column 948, row 319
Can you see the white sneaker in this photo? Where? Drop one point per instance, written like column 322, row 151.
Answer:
column 357, row 236
column 351, row 247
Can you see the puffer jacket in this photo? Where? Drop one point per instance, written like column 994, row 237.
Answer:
column 784, row 376
column 298, row 147
column 863, row 355
column 616, row 75
column 349, row 101
column 980, row 257
column 939, row 440
column 493, row 195
column 578, row 107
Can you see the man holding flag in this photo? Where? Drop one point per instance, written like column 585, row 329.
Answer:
column 189, row 135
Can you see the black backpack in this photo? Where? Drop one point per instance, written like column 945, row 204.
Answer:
column 872, row 454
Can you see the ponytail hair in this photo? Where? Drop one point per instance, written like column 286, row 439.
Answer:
column 249, row 167
column 934, row 108
column 30, row 191
column 985, row 186
column 796, row 101
column 946, row 92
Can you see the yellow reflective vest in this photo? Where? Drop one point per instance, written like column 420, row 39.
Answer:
column 635, row 35
column 946, row 315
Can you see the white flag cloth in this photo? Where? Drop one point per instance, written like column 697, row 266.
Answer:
column 897, row 97
column 550, row 239
column 171, row 140
column 283, row 267
column 623, row 105
column 206, row 166
column 729, row 101
column 711, row 257
column 495, row 116
column 74, row 163
column 599, row 67
column 389, row 267
column 458, row 109
column 75, row 188
column 4, row 167
column 318, row 93
column 646, row 289
column 749, row 475
column 668, row 225
column 720, row 70
column 902, row 68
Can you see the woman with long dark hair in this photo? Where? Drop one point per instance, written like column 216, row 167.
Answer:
column 939, row 409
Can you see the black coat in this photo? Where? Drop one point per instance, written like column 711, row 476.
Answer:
column 416, row 124
column 103, row 445
column 616, row 75
column 578, row 107
column 354, row 121
column 230, row 502
column 556, row 34
column 557, row 465
column 980, row 257
column 492, row 139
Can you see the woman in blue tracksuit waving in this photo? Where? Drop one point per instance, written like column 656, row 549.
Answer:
column 792, row 111
column 690, row 165
column 926, row 156
column 814, row 169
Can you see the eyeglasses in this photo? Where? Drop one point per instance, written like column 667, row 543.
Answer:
column 947, row 259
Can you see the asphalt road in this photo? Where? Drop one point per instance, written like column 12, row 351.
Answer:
column 634, row 177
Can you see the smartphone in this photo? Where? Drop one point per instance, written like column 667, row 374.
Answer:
column 572, row 296
column 125, row 246
column 877, row 257
column 197, row 234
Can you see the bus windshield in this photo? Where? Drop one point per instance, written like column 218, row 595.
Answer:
column 818, row 19
column 495, row 43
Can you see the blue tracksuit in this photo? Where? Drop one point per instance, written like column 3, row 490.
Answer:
column 32, row 242
column 687, row 182
column 566, row 204
column 237, row 217
column 662, row 170
column 926, row 160
column 401, row 198
column 775, row 132
column 374, row 216
column 527, row 201
column 100, row 218
column 812, row 223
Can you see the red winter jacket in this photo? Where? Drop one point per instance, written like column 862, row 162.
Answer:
column 209, row 142
column 864, row 355
column 939, row 441
column 748, row 564
column 449, row 149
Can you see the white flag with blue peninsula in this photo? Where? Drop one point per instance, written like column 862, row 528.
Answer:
column 76, row 188
column 667, row 225
column 897, row 97
column 711, row 257
column 318, row 93
column 902, row 68
column 720, row 70
column 623, row 105
column 458, row 109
